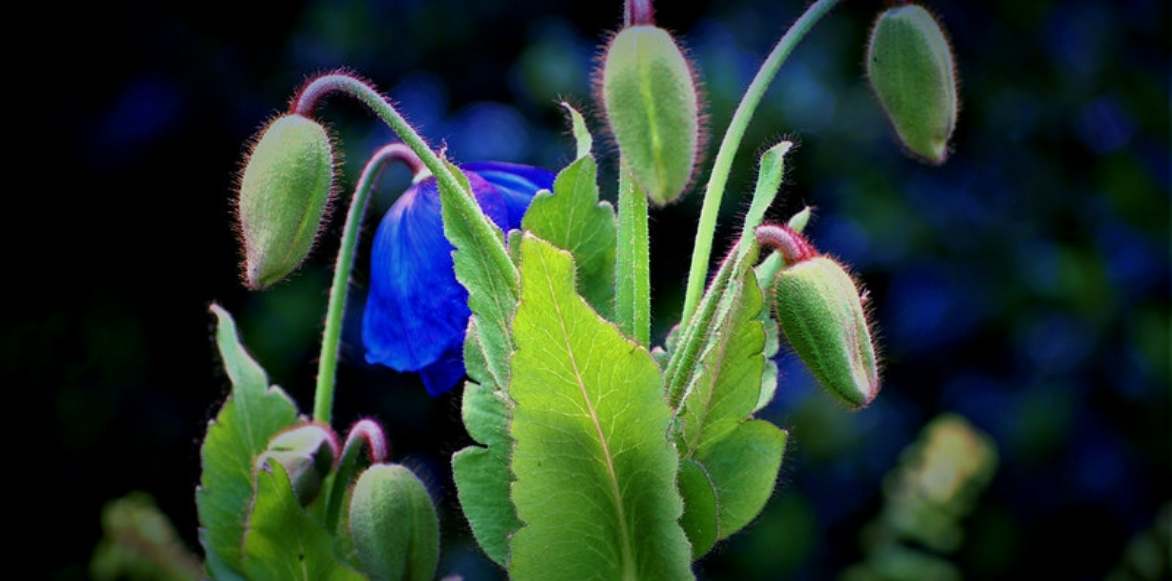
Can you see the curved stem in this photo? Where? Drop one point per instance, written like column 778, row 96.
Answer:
column 465, row 205
column 718, row 179
column 323, row 398
column 322, row 86
column 632, row 261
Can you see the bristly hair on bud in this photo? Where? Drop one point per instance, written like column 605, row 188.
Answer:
column 653, row 104
column 285, row 192
column 820, row 309
column 912, row 71
column 393, row 525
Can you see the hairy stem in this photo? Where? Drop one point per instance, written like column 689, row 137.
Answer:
column 335, row 311
column 633, row 270
column 304, row 104
column 718, row 179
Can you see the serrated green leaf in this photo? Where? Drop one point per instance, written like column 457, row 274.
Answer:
column 596, row 476
column 739, row 463
column 696, row 333
column 727, row 382
column 483, row 267
column 572, row 218
column 475, row 364
column 482, row 473
column 251, row 416
column 394, row 525
column 283, row 542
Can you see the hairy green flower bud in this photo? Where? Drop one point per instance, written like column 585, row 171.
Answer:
column 821, row 313
column 653, row 109
column 394, row 525
column 307, row 452
column 910, row 66
column 284, row 193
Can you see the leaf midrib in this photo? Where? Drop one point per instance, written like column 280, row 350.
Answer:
column 616, row 493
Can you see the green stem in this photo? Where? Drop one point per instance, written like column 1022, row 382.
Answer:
column 336, row 310
column 304, row 104
column 718, row 179
column 633, row 271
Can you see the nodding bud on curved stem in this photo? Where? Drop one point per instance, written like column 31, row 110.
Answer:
column 652, row 105
column 284, row 194
column 821, row 312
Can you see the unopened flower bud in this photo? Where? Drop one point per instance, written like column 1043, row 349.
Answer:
column 911, row 69
column 307, row 453
column 393, row 525
column 821, row 313
column 653, row 109
column 284, row 192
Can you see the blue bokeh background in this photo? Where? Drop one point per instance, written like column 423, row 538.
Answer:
column 1024, row 285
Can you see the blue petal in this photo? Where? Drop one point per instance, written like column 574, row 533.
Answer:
column 416, row 310
column 441, row 376
column 518, row 183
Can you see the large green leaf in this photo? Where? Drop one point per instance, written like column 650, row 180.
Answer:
column 595, row 473
column 284, row 543
column 572, row 218
column 482, row 265
column 252, row 415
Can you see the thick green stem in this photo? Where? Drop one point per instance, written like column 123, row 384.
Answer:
column 718, row 179
column 633, row 270
column 305, row 103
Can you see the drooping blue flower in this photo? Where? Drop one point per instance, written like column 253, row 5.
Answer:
column 416, row 311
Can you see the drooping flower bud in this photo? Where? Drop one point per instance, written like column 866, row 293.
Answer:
column 284, row 192
column 911, row 69
column 819, row 308
column 653, row 109
column 307, row 452
column 393, row 525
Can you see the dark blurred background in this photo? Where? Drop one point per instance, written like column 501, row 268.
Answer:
column 1024, row 285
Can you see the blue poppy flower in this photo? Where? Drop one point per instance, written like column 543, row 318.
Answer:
column 416, row 311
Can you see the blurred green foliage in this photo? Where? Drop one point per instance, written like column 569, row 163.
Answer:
column 139, row 543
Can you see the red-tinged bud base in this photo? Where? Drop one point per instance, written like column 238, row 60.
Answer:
column 792, row 245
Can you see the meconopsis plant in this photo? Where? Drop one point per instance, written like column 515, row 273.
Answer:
column 598, row 455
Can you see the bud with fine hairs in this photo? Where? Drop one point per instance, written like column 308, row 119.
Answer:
column 652, row 105
column 285, row 191
column 911, row 69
